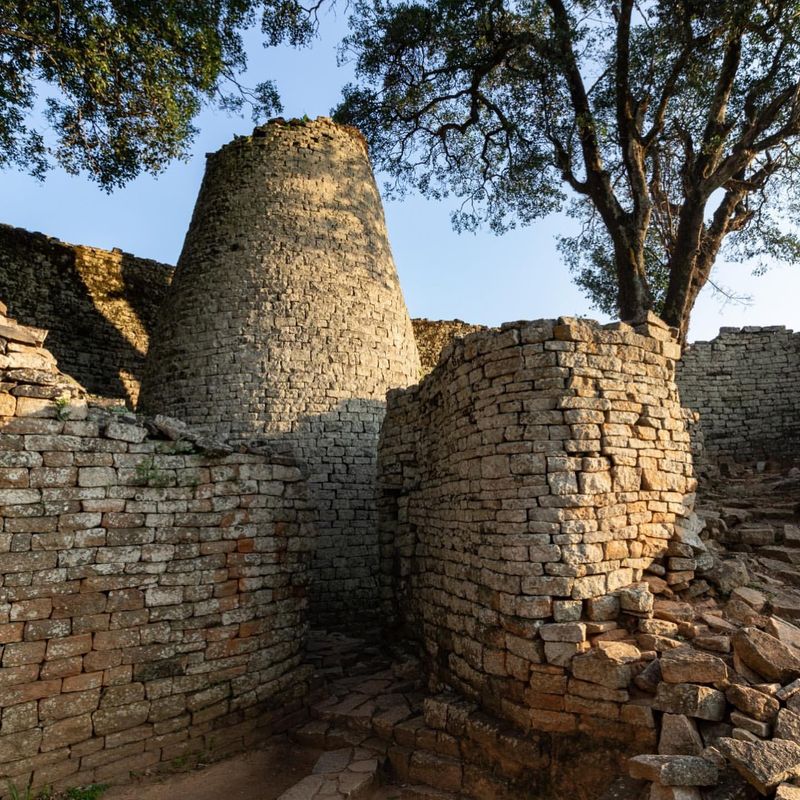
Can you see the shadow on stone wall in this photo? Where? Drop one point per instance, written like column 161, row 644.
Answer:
column 338, row 453
column 99, row 306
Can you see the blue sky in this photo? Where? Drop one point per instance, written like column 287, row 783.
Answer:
column 476, row 277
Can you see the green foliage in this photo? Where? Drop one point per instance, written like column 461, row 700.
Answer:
column 148, row 472
column 673, row 125
column 92, row 792
column 120, row 81
column 62, row 406
column 15, row 793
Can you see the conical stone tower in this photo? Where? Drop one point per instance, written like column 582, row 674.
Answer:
column 285, row 321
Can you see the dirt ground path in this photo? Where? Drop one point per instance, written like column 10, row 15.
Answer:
column 262, row 774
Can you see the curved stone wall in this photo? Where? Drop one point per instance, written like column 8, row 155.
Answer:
column 536, row 473
column 153, row 592
column 746, row 386
column 285, row 320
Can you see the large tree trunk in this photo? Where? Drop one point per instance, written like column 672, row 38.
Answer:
column 634, row 297
column 683, row 285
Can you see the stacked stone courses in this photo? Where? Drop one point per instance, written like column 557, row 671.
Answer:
column 530, row 479
column 746, row 386
column 285, row 321
column 99, row 306
column 152, row 584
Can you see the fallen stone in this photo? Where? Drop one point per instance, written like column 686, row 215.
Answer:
column 763, row 765
column 784, row 631
column 718, row 623
column 608, row 664
column 743, row 671
column 636, row 599
column 785, row 692
column 661, row 644
column 756, row 704
column 744, row 735
column 687, row 665
column 673, row 770
column 787, row 726
column 755, row 599
column 755, row 726
column 728, row 575
column 688, row 529
column 170, row 427
column 787, row 792
column 766, row 655
column 715, row 642
column 673, row 610
column 743, row 614
column 702, row 702
column 712, row 732
column 679, row 736
column 658, row 626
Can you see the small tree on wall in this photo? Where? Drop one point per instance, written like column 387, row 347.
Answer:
column 672, row 125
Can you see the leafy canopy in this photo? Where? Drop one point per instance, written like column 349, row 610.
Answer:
column 670, row 126
column 120, row 81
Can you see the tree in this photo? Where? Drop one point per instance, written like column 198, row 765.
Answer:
column 672, row 124
column 120, row 81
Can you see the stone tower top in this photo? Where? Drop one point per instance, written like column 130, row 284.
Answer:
column 277, row 127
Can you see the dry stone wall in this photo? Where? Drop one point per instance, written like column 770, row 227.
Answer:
column 434, row 335
column 98, row 305
column 746, row 386
column 285, row 321
column 527, row 483
column 153, row 584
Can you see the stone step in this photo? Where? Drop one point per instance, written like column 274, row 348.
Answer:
column 350, row 772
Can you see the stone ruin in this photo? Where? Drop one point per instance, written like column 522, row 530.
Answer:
column 558, row 616
column 285, row 322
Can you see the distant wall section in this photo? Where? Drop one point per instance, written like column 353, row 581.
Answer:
column 433, row 335
column 746, row 386
column 99, row 305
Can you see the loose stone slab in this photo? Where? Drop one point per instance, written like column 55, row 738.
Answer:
column 679, row 736
column 766, row 655
column 756, row 704
column 674, row 770
column 764, row 764
column 702, row 702
column 687, row 665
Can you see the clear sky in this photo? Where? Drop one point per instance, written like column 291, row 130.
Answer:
column 479, row 278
